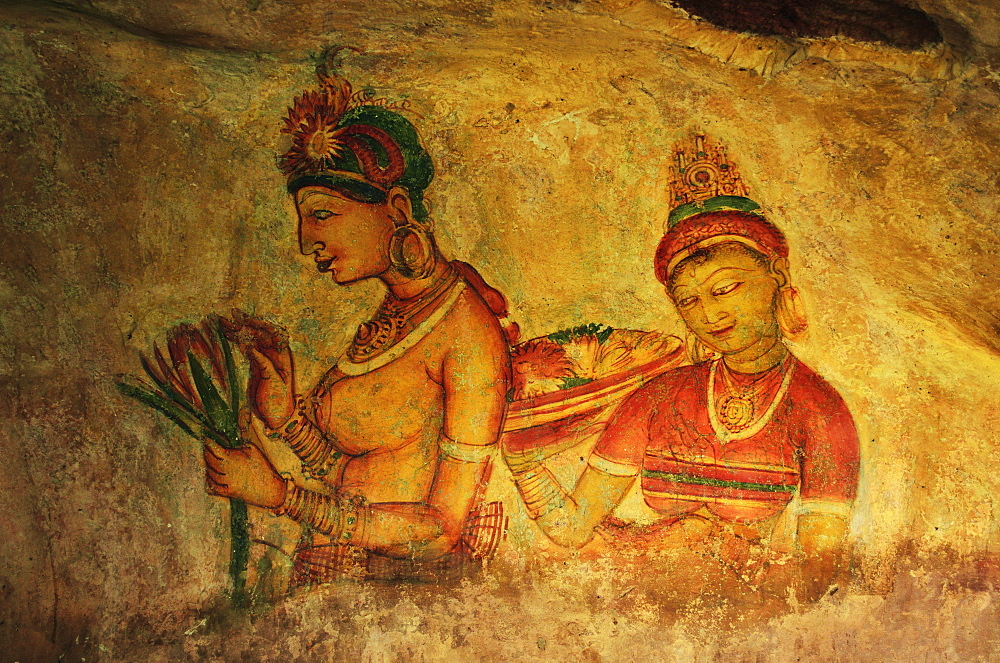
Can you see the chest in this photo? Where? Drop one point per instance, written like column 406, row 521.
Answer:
column 385, row 409
column 687, row 465
column 683, row 430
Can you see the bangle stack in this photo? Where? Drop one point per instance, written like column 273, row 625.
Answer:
column 345, row 519
column 317, row 453
column 540, row 491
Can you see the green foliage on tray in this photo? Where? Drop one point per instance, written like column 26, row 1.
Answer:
column 600, row 331
column 569, row 383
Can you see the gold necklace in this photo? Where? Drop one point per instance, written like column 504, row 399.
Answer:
column 733, row 414
column 738, row 403
column 394, row 319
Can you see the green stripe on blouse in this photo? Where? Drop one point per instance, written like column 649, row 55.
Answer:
column 719, row 483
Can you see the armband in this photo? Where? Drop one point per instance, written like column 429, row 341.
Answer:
column 465, row 453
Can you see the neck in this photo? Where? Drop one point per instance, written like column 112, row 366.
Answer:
column 406, row 288
column 759, row 358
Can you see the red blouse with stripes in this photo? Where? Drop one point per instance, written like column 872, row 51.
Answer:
column 663, row 431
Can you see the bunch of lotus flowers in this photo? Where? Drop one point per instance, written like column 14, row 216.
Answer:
column 197, row 386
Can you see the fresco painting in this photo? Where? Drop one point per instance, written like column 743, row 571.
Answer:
column 722, row 449
column 726, row 445
column 429, row 363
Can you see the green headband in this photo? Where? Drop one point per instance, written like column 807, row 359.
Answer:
column 363, row 147
column 714, row 204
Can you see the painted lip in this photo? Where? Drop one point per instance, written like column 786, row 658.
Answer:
column 323, row 265
column 723, row 331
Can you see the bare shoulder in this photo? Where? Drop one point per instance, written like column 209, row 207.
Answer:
column 471, row 321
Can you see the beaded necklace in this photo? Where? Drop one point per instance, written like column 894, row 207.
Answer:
column 394, row 319
column 733, row 414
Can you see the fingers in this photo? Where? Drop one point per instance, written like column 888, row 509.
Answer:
column 212, row 448
column 215, row 473
column 218, row 457
column 234, row 324
column 256, row 354
column 215, row 487
column 230, row 323
column 215, row 484
column 238, row 316
column 229, row 329
column 268, row 338
column 253, row 333
column 265, row 331
column 215, row 466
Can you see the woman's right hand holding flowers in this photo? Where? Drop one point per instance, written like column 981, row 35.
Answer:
column 271, row 389
column 243, row 473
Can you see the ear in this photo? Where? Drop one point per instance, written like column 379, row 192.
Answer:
column 401, row 208
column 780, row 272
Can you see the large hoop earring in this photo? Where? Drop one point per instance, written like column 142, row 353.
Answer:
column 412, row 265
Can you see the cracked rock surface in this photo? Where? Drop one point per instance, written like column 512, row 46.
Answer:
column 138, row 188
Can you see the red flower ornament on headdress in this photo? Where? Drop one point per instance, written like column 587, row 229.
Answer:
column 319, row 137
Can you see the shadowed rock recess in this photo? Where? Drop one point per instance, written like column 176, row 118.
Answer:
column 884, row 21
column 139, row 189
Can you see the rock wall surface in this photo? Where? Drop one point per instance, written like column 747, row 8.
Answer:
column 139, row 188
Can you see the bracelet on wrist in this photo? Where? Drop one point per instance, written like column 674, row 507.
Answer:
column 540, row 491
column 345, row 519
column 316, row 451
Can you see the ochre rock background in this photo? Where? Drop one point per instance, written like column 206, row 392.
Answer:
column 139, row 188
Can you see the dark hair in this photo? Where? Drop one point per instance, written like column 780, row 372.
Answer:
column 704, row 254
column 495, row 300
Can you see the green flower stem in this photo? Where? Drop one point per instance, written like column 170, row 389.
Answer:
column 239, row 525
column 216, row 418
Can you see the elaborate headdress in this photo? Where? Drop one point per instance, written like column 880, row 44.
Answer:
column 350, row 140
column 710, row 206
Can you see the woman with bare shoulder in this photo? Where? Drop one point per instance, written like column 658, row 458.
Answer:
column 396, row 439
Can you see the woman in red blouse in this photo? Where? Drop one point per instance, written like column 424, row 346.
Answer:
column 727, row 447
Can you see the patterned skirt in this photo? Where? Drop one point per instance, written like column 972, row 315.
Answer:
column 319, row 560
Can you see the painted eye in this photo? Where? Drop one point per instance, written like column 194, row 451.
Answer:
column 323, row 214
column 726, row 289
column 686, row 302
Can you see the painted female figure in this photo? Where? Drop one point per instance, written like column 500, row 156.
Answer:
column 395, row 440
column 726, row 447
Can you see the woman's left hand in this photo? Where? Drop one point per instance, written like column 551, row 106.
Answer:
column 270, row 390
column 244, row 474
